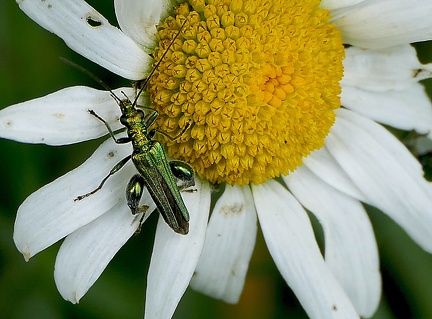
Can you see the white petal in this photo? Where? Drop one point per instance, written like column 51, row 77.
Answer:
column 291, row 242
column 350, row 246
column 386, row 23
column 389, row 143
column 325, row 166
column 62, row 117
column 175, row 256
column 394, row 68
column 408, row 109
column 230, row 240
column 88, row 33
column 51, row 213
column 138, row 18
column 337, row 4
column 385, row 172
column 85, row 253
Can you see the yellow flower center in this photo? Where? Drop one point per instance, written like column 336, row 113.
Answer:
column 257, row 81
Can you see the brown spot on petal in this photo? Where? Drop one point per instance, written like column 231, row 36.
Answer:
column 111, row 154
column 235, row 209
column 59, row 116
column 93, row 21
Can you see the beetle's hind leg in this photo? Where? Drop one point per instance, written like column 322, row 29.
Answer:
column 183, row 173
column 134, row 191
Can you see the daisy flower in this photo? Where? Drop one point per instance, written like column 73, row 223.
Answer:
column 289, row 89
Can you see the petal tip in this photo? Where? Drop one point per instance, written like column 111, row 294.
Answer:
column 27, row 255
column 75, row 298
column 71, row 296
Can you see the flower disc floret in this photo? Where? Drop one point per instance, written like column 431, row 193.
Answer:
column 256, row 81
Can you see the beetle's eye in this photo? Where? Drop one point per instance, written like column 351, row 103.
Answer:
column 152, row 133
column 123, row 120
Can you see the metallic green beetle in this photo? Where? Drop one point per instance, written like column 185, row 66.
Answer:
column 155, row 171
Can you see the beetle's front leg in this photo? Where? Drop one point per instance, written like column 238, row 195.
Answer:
column 121, row 140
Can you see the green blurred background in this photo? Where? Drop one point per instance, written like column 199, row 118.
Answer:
column 30, row 68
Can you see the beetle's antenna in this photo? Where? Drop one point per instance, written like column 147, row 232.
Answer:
column 94, row 77
column 105, row 86
column 157, row 64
